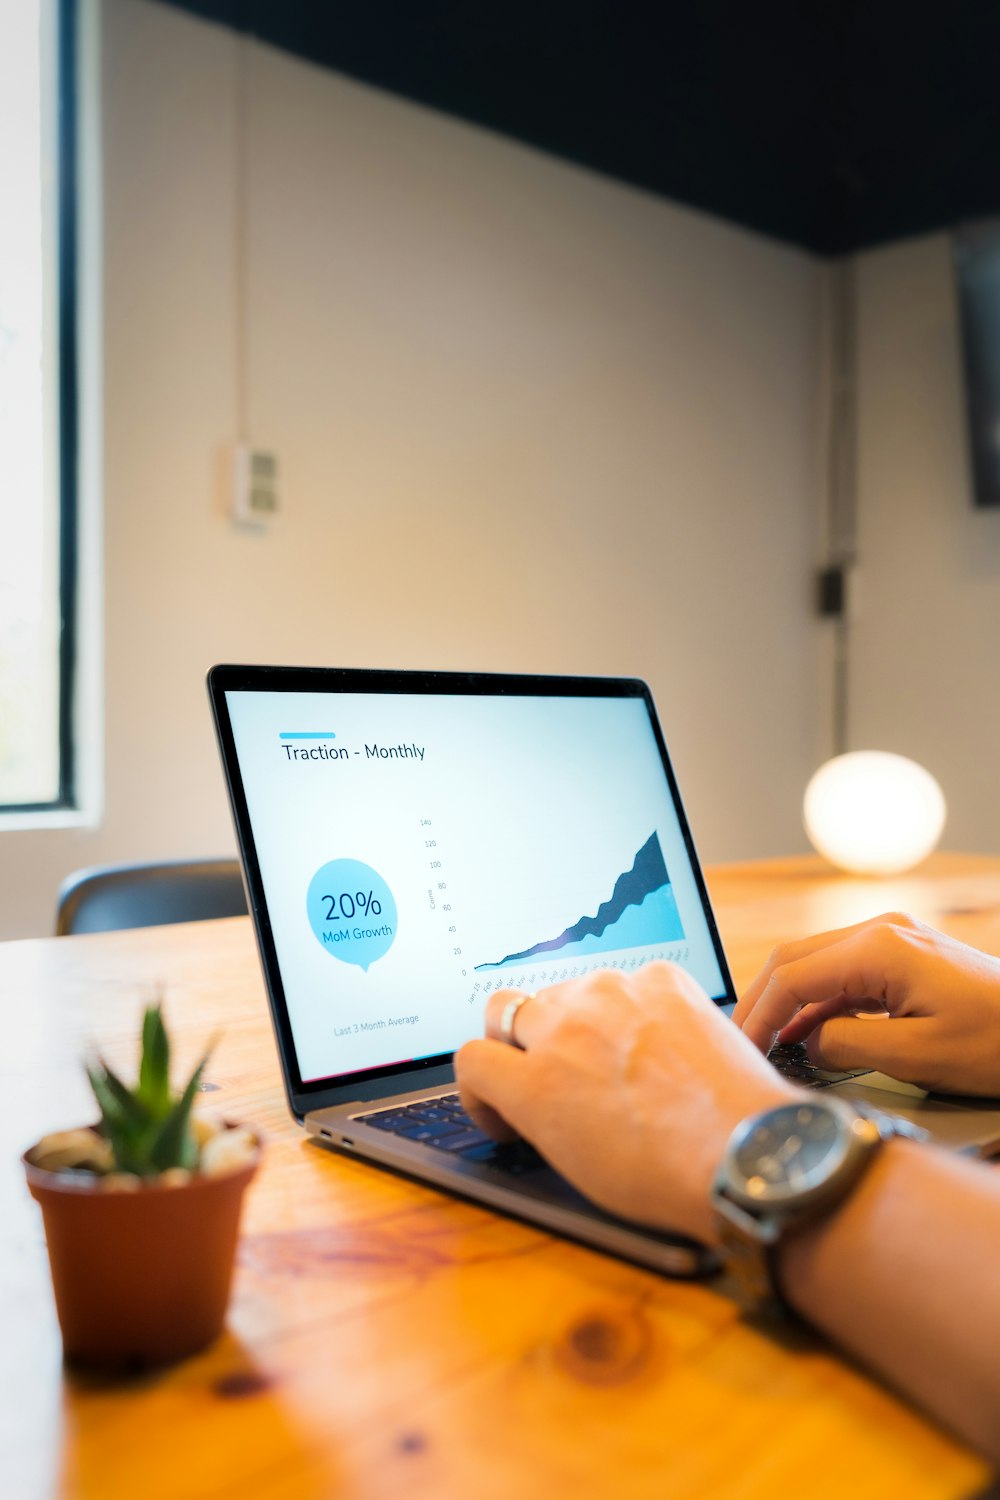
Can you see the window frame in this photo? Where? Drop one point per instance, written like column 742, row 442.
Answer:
column 67, row 85
column 67, row 416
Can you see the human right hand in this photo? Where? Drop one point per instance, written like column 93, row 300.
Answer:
column 891, row 994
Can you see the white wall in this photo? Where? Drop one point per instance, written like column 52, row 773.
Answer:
column 925, row 646
column 526, row 419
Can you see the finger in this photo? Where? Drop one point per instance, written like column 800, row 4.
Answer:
column 537, row 1016
column 792, row 952
column 526, row 1023
column 851, row 972
column 502, row 1019
column 902, row 1046
column 493, row 1087
column 786, row 953
column 812, row 1016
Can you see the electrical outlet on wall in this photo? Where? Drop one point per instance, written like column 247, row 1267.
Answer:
column 255, row 485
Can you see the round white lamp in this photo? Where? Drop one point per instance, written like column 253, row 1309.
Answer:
column 873, row 813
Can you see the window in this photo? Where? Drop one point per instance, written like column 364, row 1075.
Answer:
column 37, row 402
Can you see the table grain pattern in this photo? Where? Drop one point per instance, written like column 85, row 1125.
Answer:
column 386, row 1340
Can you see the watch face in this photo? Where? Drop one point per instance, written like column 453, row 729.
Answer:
column 789, row 1151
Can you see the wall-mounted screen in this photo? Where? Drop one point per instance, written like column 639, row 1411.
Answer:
column 977, row 268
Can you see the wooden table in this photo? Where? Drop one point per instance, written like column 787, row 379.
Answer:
column 385, row 1340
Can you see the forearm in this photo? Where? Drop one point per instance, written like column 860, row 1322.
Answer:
column 906, row 1277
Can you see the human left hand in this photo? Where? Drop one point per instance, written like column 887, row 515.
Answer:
column 629, row 1086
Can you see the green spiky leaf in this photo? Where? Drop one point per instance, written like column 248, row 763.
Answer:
column 173, row 1145
column 154, row 1068
column 128, row 1103
column 147, row 1127
column 125, row 1123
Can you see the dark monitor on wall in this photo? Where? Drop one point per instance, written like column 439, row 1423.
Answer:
column 977, row 269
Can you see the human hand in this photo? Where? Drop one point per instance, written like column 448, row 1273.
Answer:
column 630, row 1087
column 891, row 994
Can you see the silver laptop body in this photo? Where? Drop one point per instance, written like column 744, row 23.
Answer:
column 412, row 842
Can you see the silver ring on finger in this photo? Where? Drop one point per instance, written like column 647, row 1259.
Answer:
column 507, row 1018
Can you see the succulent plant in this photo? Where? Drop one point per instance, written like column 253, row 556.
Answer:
column 148, row 1128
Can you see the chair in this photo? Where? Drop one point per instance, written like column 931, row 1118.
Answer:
column 110, row 897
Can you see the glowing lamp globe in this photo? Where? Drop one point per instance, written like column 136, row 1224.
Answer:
column 873, row 813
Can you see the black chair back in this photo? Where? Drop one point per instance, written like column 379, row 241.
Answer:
column 111, row 897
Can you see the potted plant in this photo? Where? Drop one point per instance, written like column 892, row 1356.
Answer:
column 141, row 1214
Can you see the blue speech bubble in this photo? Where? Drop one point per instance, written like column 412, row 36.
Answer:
column 351, row 911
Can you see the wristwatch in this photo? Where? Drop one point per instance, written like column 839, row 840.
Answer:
column 783, row 1170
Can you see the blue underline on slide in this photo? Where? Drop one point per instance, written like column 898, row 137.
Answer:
column 313, row 734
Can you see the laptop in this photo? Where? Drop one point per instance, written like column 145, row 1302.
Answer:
column 412, row 842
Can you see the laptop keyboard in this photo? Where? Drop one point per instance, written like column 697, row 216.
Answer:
column 443, row 1123
column 793, row 1062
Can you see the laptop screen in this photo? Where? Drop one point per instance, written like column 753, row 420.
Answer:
column 416, row 851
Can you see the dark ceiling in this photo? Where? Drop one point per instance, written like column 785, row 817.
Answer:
column 834, row 124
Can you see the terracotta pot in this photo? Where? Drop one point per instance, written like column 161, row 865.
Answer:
column 139, row 1277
